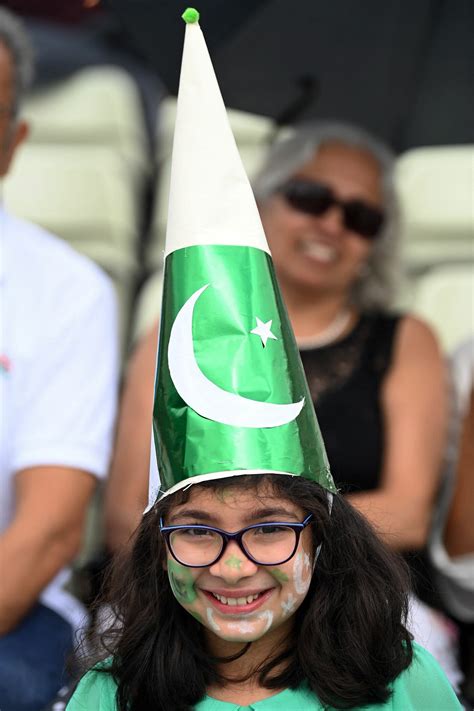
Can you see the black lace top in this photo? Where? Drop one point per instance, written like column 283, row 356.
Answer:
column 345, row 380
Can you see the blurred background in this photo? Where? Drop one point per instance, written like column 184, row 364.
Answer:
column 96, row 167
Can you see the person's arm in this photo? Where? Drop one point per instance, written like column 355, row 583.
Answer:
column 459, row 533
column 414, row 400
column 126, row 493
column 62, row 422
column 45, row 535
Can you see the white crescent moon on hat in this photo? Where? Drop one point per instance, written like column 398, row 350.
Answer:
column 204, row 396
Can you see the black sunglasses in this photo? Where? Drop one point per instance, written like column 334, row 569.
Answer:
column 316, row 198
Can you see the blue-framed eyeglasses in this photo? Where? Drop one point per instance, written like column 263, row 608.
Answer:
column 198, row 546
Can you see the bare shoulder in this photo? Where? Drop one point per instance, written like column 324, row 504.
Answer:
column 416, row 341
column 418, row 364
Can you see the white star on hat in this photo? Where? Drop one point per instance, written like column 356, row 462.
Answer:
column 263, row 330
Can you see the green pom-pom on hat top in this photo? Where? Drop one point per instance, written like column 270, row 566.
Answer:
column 190, row 15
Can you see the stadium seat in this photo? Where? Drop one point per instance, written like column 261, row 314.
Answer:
column 436, row 189
column 98, row 106
column 444, row 297
column 89, row 196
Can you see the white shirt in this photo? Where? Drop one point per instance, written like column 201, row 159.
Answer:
column 58, row 367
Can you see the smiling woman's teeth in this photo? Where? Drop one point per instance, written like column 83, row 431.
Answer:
column 317, row 250
column 235, row 600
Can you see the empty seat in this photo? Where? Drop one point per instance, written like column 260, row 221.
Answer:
column 444, row 297
column 436, row 189
column 99, row 105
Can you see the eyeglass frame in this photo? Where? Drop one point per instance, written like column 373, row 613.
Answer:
column 226, row 536
column 343, row 205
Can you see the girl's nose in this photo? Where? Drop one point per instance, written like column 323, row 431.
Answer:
column 234, row 564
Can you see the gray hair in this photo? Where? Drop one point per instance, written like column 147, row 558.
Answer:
column 377, row 286
column 14, row 37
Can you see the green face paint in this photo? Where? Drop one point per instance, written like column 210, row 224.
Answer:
column 224, row 494
column 278, row 575
column 196, row 616
column 181, row 582
column 234, row 562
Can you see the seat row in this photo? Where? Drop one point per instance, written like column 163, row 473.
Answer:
column 86, row 171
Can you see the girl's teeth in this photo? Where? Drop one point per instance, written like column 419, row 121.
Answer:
column 236, row 600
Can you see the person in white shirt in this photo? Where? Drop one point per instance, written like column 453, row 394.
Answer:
column 58, row 385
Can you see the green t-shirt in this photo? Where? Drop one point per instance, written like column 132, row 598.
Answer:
column 421, row 687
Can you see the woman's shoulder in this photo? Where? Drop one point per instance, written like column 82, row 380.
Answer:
column 423, row 686
column 416, row 347
column 96, row 690
column 414, row 328
column 397, row 321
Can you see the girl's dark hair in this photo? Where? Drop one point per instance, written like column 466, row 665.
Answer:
column 349, row 640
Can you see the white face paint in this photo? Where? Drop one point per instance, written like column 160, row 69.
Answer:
column 288, row 605
column 242, row 627
column 211, row 620
column 302, row 573
column 267, row 616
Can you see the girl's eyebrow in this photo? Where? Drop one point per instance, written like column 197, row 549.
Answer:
column 267, row 512
column 195, row 514
column 254, row 516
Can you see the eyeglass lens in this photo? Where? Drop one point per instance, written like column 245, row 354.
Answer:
column 266, row 545
column 315, row 198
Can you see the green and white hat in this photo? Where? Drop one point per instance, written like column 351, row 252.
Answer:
column 231, row 396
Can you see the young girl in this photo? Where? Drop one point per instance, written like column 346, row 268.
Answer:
column 249, row 593
column 251, row 583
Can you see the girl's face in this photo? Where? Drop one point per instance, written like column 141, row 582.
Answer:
column 319, row 251
column 236, row 599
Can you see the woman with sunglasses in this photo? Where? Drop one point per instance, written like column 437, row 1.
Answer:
column 329, row 210
column 328, row 206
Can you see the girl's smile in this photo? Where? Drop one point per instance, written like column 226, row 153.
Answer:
column 238, row 602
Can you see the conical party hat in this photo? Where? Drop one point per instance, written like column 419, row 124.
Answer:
column 231, row 396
